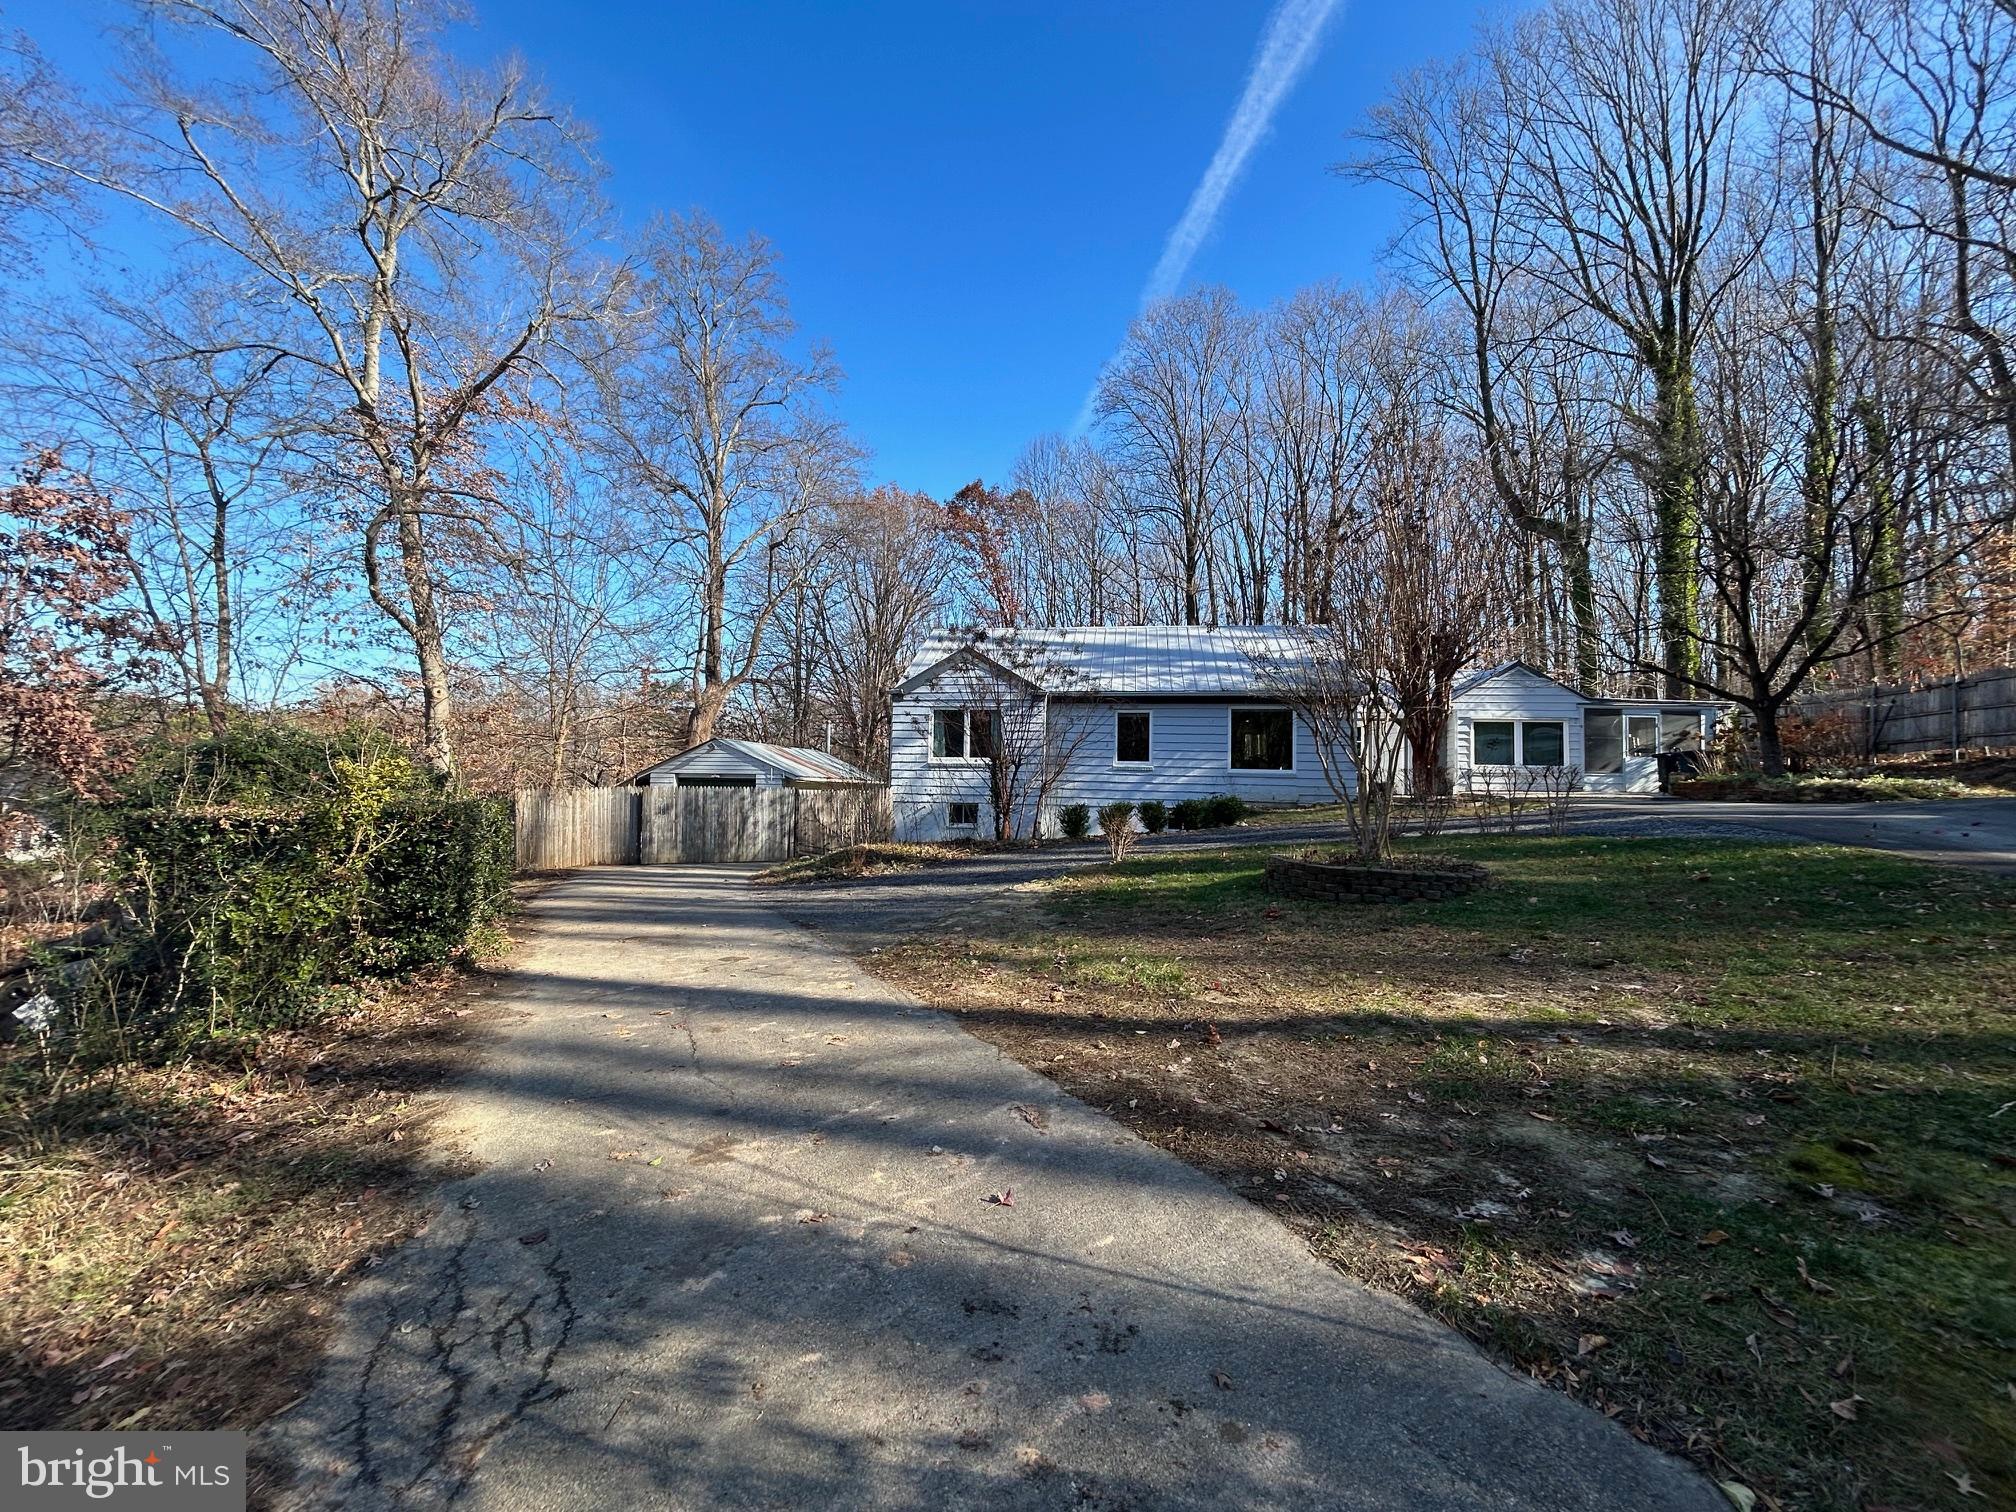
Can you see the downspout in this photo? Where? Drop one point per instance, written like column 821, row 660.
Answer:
column 1043, row 785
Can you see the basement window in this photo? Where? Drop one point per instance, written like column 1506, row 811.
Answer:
column 962, row 815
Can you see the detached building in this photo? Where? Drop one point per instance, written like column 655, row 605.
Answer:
column 726, row 763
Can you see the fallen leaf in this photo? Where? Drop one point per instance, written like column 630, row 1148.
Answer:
column 1003, row 1198
column 1844, row 1409
column 1588, row 1344
column 1713, row 1237
column 1221, row 1380
column 1804, row 1275
column 1740, row 1496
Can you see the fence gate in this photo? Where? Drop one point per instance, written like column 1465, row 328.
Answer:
column 663, row 826
column 575, row 827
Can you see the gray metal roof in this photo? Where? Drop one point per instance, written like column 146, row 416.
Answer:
column 799, row 762
column 1478, row 677
column 1124, row 660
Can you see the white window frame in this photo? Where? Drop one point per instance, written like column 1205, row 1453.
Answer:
column 1518, row 763
column 1254, row 708
column 1495, row 766
column 951, row 823
column 1519, row 744
column 1149, row 762
column 965, row 713
column 1632, row 716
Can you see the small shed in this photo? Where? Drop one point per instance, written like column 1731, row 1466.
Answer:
column 727, row 763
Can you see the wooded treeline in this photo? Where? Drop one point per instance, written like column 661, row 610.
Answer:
column 340, row 391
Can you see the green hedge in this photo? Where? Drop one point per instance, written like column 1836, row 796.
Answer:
column 273, row 867
column 253, row 915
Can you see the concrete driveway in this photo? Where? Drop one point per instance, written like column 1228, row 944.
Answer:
column 750, row 1229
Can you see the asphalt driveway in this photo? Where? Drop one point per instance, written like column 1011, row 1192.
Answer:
column 745, row 1227
column 1974, row 832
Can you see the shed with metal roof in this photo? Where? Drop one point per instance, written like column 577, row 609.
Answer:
column 725, row 762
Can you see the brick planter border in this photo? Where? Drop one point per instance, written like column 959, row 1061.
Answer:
column 1330, row 882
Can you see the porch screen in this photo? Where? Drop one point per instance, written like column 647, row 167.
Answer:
column 1679, row 730
column 1603, row 741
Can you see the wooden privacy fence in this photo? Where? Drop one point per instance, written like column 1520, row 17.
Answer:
column 1977, row 710
column 664, row 825
column 575, row 827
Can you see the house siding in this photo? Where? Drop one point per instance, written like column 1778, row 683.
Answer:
column 713, row 763
column 1514, row 694
column 1189, row 749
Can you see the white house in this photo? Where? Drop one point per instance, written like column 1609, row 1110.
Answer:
column 726, row 763
column 1171, row 712
column 1512, row 718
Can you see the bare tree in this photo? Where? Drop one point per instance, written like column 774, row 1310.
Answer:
column 1167, row 401
column 706, row 408
column 411, row 228
column 187, row 422
column 1450, row 141
column 1627, row 117
column 38, row 122
column 884, row 562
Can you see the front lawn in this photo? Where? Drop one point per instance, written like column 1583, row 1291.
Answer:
column 1714, row 1134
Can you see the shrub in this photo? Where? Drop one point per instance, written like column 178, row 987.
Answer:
column 253, row 916
column 1223, row 809
column 1188, row 814
column 270, row 869
column 1116, row 823
column 1154, row 816
column 1075, row 819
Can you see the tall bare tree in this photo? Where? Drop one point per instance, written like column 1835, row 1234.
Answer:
column 411, row 227
column 1167, row 402
column 883, row 561
column 711, row 414
column 1627, row 117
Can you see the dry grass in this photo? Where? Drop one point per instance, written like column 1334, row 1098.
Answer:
column 1704, row 1132
column 874, row 859
column 178, row 1239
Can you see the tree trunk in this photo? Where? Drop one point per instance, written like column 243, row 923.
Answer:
column 708, row 702
column 1676, row 506
column 1770, row 743
column 1886, row 556
column 437, row 697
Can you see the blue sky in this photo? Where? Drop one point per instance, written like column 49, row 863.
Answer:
column 967, row 198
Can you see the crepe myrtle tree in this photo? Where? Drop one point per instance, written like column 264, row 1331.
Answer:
column 1332, row 678
column 1010, row 723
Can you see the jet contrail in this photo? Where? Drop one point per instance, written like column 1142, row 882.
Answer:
column 1287, row 47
